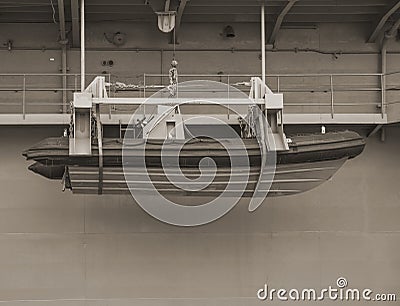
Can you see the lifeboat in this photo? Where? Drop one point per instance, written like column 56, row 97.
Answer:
column 310, row 160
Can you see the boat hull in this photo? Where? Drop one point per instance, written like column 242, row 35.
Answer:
column 288, row 179
column 311, row 160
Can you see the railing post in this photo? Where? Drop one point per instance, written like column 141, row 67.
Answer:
column 229, row 85
column 332, row 96
column 144, row 85
column 23, row 97
column 144, row 94
column 383, row 93
column 109, row 85
column 278, row 85
column 109, row 95
column 64, row 91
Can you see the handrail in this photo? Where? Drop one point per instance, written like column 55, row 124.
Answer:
column 48, row 74
column 212, row 75
column 392, row 73
column 331, row 85
column 268, row 75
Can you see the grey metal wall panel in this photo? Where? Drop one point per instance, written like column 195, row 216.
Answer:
column 59, row 249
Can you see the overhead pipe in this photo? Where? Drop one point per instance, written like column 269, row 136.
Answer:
column 82, row 45
column 63, row 42
column 233, row 50
column 387, row 36
column 64, row 72
column 383, row 71
column 263, row 43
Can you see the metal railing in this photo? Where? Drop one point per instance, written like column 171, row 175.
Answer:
column 303, row 93
column 298, row 87
column 32, row 83
column 392, row 89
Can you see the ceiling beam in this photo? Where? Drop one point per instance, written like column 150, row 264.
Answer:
column 395, row 5
column 272, row 12
column 176, row 31
column 61, row 19
column 279, row 20
column 162, row 5
column 167, row 4
column 63, row 41
column 207, row 3
column 75, row 22
column 217, row 18
column 394, row 28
